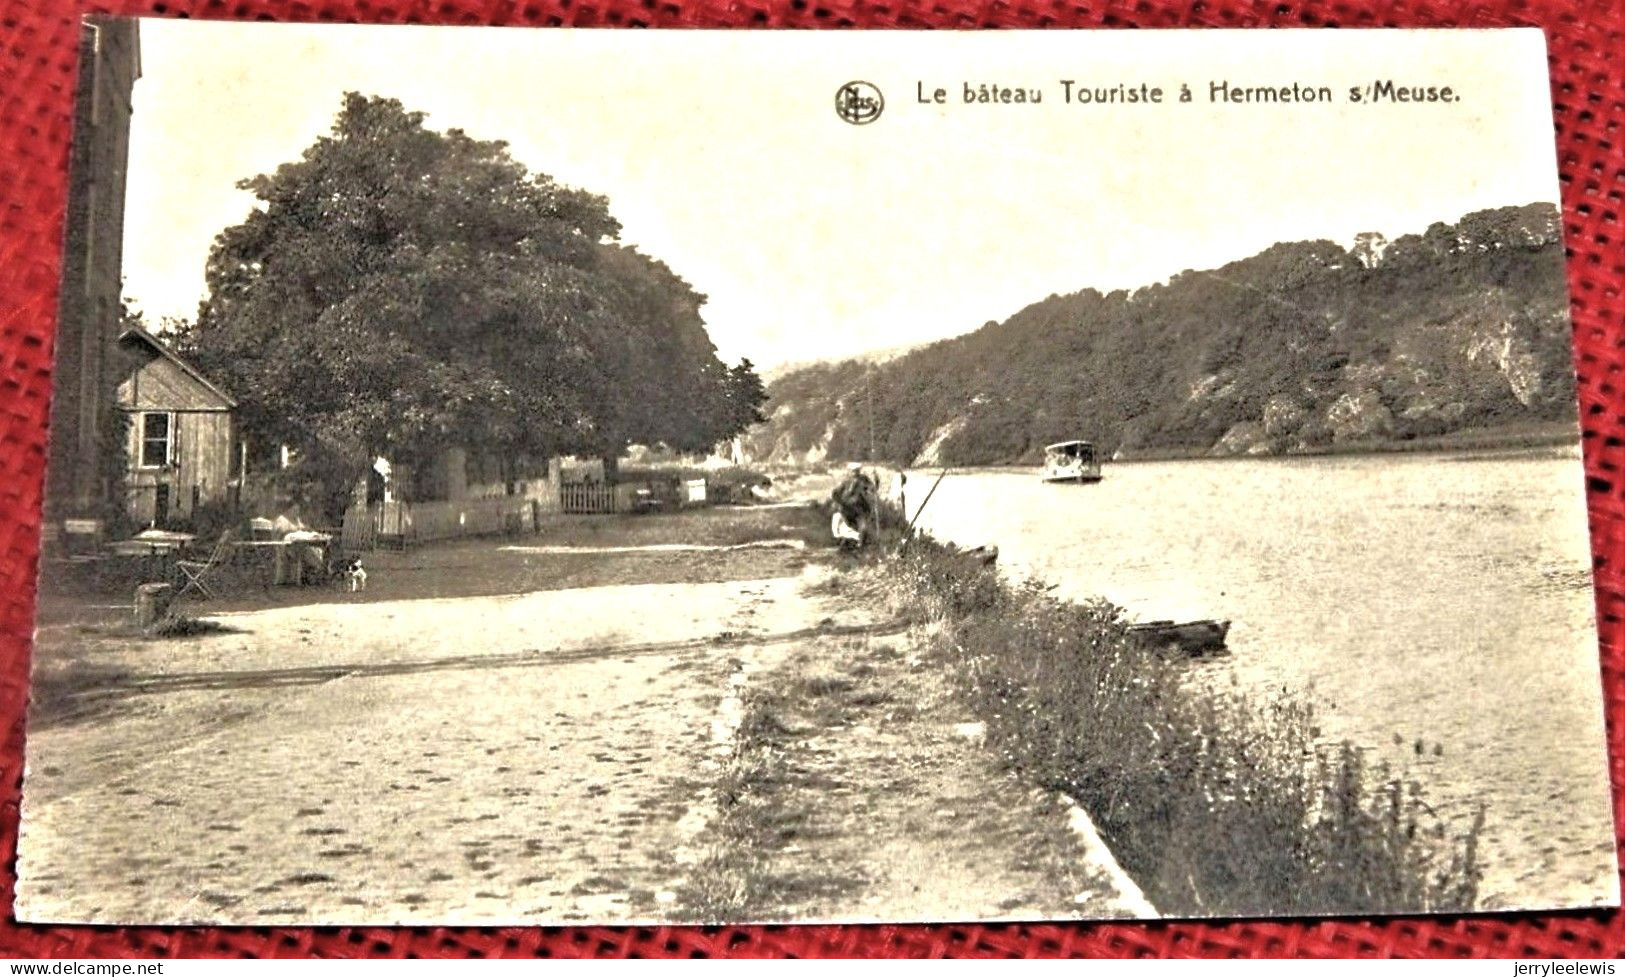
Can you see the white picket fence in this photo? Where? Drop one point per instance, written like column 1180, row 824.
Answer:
column 405, row 523
column 588, row 497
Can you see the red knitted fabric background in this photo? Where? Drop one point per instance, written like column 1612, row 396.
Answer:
column 1587, row 45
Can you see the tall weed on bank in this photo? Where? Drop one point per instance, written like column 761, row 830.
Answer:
column 1217, row 799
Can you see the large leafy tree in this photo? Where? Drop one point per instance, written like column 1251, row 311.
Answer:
column 399, row 290
column 746, row 398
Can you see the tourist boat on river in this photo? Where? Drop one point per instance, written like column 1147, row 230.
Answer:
column 1071, row 461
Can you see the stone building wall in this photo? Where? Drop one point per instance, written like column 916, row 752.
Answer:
column 80, row 477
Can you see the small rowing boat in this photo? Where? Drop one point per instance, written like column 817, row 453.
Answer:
column 1193, row 639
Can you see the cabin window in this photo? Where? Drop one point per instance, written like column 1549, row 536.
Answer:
column 157, row 430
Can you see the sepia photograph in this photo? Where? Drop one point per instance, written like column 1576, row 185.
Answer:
column 506, row 476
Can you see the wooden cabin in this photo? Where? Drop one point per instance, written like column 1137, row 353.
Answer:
column 180, row 432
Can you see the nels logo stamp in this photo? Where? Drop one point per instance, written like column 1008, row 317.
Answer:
column 859, row 102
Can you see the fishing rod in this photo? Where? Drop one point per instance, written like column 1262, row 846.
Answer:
column 923, row 503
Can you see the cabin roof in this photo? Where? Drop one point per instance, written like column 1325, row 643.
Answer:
column 1066, row 444
column 138, row 335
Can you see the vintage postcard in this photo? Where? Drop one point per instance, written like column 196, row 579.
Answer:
column 506, row 476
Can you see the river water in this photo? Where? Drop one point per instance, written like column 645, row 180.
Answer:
column 1437, row 597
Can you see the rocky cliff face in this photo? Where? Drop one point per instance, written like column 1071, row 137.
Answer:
column 931, row 454
column 1497, row 361
column 1299, row 348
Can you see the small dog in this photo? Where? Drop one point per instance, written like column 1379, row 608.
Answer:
column 355, row 575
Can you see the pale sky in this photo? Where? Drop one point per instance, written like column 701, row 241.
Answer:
column 721, row 153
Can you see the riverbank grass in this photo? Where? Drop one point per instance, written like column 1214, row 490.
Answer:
column 1217, row 800
column 742, row 874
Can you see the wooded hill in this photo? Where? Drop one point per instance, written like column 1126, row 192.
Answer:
column 1303, row 347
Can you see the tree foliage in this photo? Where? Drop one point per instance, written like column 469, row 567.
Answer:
column 399, row 290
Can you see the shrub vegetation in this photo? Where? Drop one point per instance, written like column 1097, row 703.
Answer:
column 1216, row 800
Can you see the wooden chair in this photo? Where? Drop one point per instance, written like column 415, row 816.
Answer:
column 198, row 574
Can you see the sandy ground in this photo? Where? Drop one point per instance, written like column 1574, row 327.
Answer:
column 507, row 759
column 536, row 757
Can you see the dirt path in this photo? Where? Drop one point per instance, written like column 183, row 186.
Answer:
column 710, row 545
column 857, row 791
column 726, row 747
column 538, row 777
